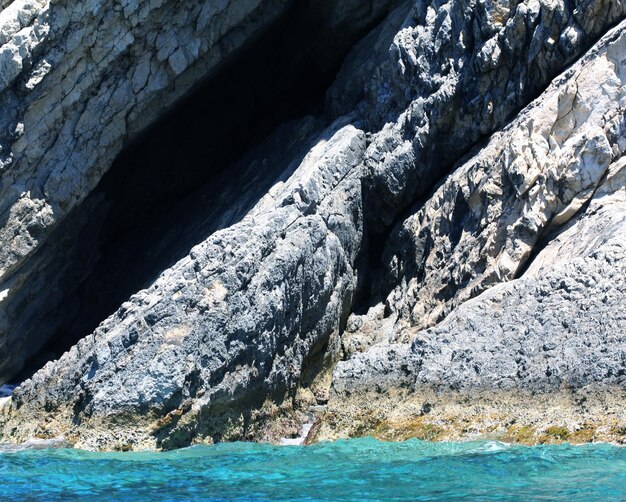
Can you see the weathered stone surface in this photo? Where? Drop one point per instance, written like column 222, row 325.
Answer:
column 71, row 94
column 590, row 414
column 78, row 81
column 242, row 322
column 457, row 71
column 482, row 224
column 238, row 318
column 559, row 328
column 431, row 99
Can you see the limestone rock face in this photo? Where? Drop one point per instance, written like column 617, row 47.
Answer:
column 78, row 81
column 79, row 78
column 481, row 225
column 239, row 316
column 255, row 317
column 560, row 325
column 456, row 72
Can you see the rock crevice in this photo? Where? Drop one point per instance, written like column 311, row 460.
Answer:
column 179, row 180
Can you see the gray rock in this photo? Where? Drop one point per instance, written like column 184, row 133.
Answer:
column 236, row 320
column 456, row 72
column 561, row 325
column 482, row 224
column 77, row 83
column 244, row 320
column 71, row 96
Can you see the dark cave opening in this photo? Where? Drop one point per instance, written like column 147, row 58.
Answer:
column 181, row 180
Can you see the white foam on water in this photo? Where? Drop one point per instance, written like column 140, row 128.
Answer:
column 299, row 441
column 35, row 444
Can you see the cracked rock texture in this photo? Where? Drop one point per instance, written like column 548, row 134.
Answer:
column 561, row 325
column 249, row 325
column 545, row 349
column 77, row 80
column 480, row 226
column 80, row 80
column 234, row 321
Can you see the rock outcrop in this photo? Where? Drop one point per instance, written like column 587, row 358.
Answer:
column 234, row 321
column 560, row 326
column 482, row 224
column 78, row 82
column 78, row 79
column 545, row 352
column 245, row 330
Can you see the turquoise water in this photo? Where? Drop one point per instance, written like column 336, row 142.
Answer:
column 362, row 469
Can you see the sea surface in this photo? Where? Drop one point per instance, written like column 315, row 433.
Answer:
column 359, row 469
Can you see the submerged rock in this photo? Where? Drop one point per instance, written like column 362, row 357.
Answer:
column 35, row 444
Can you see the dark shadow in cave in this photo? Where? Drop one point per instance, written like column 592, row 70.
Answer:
column 186, row 176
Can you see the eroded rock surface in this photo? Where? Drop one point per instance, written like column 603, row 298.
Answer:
column 237, row 319
column 80, row 80
column 251, row 321
column 545, row 350
column 482, row 224
column 561, row 324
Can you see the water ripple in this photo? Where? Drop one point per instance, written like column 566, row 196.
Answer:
column 362, row 469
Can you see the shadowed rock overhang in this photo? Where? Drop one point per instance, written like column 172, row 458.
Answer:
column 179, row 181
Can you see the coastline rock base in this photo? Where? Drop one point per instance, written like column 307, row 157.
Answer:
column 566, row 416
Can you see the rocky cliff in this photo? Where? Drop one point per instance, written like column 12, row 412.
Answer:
column 446, row 223
column 81, row 81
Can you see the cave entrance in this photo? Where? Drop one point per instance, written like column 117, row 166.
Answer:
column 184, row 177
